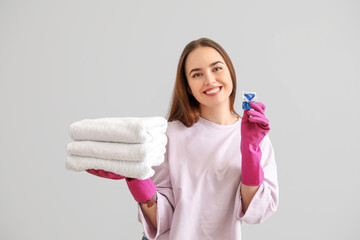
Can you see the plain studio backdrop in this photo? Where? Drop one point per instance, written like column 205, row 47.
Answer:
column 64, row 61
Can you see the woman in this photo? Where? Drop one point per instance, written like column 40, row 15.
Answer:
column 218, row 171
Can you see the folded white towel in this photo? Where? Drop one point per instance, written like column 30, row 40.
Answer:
column 126, row 130
column 133, row 169
column 119, row 151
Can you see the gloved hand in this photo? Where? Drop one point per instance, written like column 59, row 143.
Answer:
column 142, row 190
column 254, row 127
column 105, row 174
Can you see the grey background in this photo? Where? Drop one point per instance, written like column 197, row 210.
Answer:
column 63, row 61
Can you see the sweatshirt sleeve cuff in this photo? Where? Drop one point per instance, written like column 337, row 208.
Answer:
column 253, row 212
column 161, row 219
column 261, row 206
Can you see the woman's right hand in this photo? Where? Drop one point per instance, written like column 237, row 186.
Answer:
column 142, row 190
column 105, row 174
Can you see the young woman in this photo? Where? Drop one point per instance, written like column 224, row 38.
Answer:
column 219, row 170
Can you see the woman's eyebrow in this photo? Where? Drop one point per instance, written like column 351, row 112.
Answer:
column 212, row 64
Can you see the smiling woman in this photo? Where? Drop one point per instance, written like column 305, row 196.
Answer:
column 218, row 171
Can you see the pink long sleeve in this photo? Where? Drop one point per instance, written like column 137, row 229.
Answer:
column 265, row 201
column 165, row 203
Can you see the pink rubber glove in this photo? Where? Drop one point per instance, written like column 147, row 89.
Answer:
column 105, row 174
column 254, row 127
column 142, row 190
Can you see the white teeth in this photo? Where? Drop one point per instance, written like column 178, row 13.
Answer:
column 213, row 90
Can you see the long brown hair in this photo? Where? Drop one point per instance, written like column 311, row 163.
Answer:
column 184, row 107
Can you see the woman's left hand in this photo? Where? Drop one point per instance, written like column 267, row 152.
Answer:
column 254, row 127
column 254, row 124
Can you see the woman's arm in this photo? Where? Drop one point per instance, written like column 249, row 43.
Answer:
column 156, row 219
column 257, row 203
column 247, row 194
column 149, row 209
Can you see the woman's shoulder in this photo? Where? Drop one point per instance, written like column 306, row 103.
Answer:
column 175, row 126
column 178, row 129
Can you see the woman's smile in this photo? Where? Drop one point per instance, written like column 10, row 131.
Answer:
column 213, row 91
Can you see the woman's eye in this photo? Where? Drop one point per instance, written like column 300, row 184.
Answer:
column 196, row 75
column 218, row 69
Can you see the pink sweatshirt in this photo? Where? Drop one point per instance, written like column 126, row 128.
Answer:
column 199, row 184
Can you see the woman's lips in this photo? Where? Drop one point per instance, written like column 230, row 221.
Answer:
column 212, row 91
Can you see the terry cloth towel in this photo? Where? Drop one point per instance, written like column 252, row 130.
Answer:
column 125, row 130
column 132, row 169
column 119, row 151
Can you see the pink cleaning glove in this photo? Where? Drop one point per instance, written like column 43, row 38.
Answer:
column 142, row 190
column 254, row 127
column 105, row 174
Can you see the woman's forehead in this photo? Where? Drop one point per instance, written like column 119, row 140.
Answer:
column 202, row 57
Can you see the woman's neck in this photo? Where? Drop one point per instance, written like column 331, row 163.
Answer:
column 222, row 116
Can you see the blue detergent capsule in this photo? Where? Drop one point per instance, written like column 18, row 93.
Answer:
column 246, row 105
column 247, row 98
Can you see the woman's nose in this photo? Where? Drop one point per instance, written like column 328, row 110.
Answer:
column 209, row 79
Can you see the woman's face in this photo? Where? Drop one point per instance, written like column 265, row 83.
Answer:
column 208, row 77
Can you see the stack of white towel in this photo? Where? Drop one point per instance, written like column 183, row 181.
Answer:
column 126, row 146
